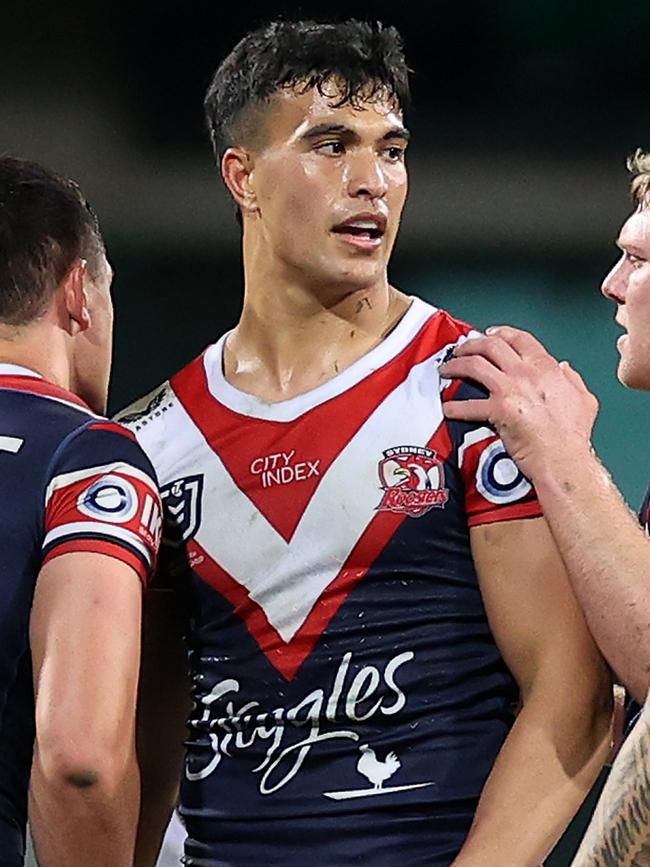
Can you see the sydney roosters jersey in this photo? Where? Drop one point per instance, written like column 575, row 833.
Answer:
column 349, row 697
column 70, row 481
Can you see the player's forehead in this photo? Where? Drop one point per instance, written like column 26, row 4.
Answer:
column 102, row 273
column 105, row 268
column 294, row 113
column 635, row 231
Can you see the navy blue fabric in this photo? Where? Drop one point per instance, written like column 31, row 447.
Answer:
column 57, row 440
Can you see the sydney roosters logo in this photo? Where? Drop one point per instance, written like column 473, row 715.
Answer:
column 413, row 480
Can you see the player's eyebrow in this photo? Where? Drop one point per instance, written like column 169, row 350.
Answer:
column 630, row 248
column 397, row 132
column 323, row 129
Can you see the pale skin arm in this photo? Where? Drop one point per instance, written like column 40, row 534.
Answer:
column 561, row 736
column 619, row 832
column 85, row 643
column 544, row 413
column 163, row 706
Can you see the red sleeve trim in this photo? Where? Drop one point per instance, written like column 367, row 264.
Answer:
column 98, row 546
column 507, row 513
column 113, row 427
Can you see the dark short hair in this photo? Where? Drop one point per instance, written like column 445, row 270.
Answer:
column 45, row 225
column 365, row 59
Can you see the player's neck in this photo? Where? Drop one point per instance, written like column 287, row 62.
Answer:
column 29, row 347
column 289, row 341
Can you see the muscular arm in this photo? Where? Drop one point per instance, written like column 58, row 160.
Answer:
column 545, row 414
column 85, row 641
column 163, row 705
column 560, row 739
column 619, row 832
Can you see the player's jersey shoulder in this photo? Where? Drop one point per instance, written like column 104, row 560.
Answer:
column 435, row 327
column 449, row 325
column 439, row 333
column 102, row 496
column 141, row 412
column 147, row 418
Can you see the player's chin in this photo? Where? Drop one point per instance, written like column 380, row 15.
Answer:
column 634, row 375
column 355, row 277
column 363, row 268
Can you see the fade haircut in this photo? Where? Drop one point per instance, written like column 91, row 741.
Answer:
column 639, row 165
column 365, row 60
column 45, row 225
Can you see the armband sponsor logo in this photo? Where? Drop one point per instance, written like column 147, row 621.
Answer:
column 181, row 501
column 111, row 498
column 413, row 479
column 151, row 521
column 232, row 723
column 498, row 478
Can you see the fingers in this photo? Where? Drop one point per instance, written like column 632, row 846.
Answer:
column 578, row 382
column 496, row 350
column 474, row 367
column 522, row 342
column 573, row 376
column 467, row 410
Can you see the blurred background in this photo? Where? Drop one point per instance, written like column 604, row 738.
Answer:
column 523, row 115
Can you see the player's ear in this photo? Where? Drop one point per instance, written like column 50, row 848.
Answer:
column 237, row 172
column 74, row 296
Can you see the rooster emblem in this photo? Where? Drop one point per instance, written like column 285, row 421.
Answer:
column 413, row 480
column 376, row 771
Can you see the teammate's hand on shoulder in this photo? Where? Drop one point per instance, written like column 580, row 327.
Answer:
column 541, row 407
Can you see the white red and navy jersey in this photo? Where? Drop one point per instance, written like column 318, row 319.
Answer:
column 349, row 697
column 70, row 481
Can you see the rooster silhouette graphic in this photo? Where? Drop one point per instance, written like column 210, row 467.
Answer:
column 376, row 771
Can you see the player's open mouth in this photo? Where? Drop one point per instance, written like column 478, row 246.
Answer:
column 622, row 340
column 364, row 231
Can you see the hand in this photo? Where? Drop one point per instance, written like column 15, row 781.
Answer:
column 540, row 407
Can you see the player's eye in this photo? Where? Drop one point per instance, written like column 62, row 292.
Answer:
column 635, row 261
column 395, row 153
column 332, row 148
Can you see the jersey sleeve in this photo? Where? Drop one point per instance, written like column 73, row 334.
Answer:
column 102, row 497
column 495, row 488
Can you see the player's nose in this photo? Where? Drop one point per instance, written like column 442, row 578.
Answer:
column 615, row 282
column 367, row 178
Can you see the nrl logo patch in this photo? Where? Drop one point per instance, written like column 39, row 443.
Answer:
column 181, row 501
column 413, row 480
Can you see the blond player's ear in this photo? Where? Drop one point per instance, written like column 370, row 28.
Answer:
column 237, row 172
